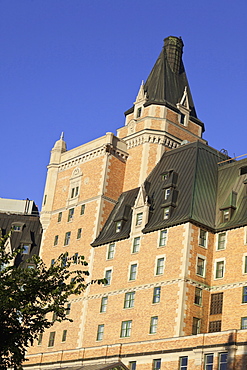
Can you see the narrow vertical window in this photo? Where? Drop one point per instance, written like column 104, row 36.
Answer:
column 100, row 332
column 103, row 305
column 203, row 238
column 166, row 213
column 51, row 339
column 55, row 240
column 71, row 214
column 67, row 238
column 139, row 112
column 198, row 296
column 129, row 300
column 163, row 236
column 243, row 322
column 196, row 326
column 156, row 294
column 64, row 336
column 75, row 258
column 223, row 361
column 79, row 232
column 139, row 219
column 111, row 250
column 82, row 209
column 160, row 266
column 52, row 261
column 136, row 245
column 200, row 268
column 153, row 325
column 183, row 363
column 245, row 264
column 59, row 217
column 126, row 329
column 132, row 365
column 244, row 296
column 133, row 272
column 167, row 193
column 219, row 272
column 157, row 364
column 221, row 241
column 118, row 226
column 108, row 275
column 209, row 361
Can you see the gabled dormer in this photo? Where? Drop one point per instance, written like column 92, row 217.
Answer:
column 140, row 211
column 184, row 108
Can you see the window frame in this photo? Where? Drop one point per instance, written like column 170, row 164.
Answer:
column 67, row 238
column 51, row 340
column 79, row 233
column 126, row 327
column 55, row 243
column 208, row 365
column 220, row 362
column 153, row 325
column 71, row 212
column 108, row 271
column 82, row 211
column 156, row 296
column 244, row 294
column 167, row 193
column 219, row 273
column 221, row 244
column 64, row 335
column 156, row 361
column 198, row 297
column 132, row 365
column 202, row 258
column 163, row 238
column 242, row 326
column 181, row 365
column 103, row 304
column 133, row 274
column 129, row 299
column 166, row 214
column 100, row 332
column 203, row 238
column 139, row 218
column 196, row 325
column 136, row 246
column 59, row 216
column 110, row 251
column 159, row 265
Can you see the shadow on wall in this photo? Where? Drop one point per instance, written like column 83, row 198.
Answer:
column 233, row 362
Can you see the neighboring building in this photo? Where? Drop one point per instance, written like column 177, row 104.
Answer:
column 20, row 219
column 163, row 217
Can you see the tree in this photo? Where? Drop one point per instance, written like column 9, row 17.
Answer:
column 27, row 295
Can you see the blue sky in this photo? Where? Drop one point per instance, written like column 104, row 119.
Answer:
column 76, row 66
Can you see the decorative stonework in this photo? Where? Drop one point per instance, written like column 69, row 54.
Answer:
column 151, row 138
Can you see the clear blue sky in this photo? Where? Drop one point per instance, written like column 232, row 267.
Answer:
column 76, row 66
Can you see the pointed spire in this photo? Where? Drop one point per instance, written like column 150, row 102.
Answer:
column 141, row 96
column 62, row 136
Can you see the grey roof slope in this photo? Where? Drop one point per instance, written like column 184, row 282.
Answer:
column 30, row 233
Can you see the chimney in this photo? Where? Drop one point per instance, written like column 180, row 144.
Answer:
column 174, row 50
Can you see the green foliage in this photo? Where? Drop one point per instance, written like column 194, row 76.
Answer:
column 27, row 295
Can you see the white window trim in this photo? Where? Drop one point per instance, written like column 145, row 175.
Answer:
column 132, row 244
column 217, row 241
column 223, row 259
column 133, row 263
column 205, row 265
column 206, row 246
column 155, row 265
column 158, row 238
column 107, row 251
column 106, row 269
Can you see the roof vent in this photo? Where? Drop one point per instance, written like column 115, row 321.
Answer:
column 174, row 50
column 185, row 142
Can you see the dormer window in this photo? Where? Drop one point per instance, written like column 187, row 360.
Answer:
column 17, row 226
column 226, row 215
column 166, row 213
column 243, row 170
column 118, row 226
column 26, row 249
column 139, row 219
column 139, row 112
column 182, row 119
column 167, row 193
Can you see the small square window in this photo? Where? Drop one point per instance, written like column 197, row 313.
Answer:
column 157, row 364
column 64, row 336
column 166, row 213
column 55, row 240
column 111, row 251
column 183, row 363
column 221, row 241
column 200, row 268
column 160, row 266
column 214, row 326
column 108, row 275
column 82, row 209
column 163, row 236
column 198, row 296
column 136, row 245
column 203, row 238
column 219, row 272
column 126, row 329
column 67, row 238
column 196, row 325
column 59, row 217
column 156, row 294
column 139, row 219
column 244, row 296
column 129, row 300
column 103, row 305
column 71, row 214
column 51, row 339
column 167, row 193
column 153, row 325
column 100, row 332
column 243, row 322
column 79, row 232
column 133, row 271
column 209, row 361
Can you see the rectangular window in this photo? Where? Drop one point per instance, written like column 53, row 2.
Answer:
column 214, row 326
column 118, row 226
column 67, row 238
column 223, row 361
column 200, row 268
column 156, row 294
column 51, row 339
column 216, row 303
column 59, row 217
column 133, row 271
column 79, row 232
column 139, row 219
column 209, row 361
column 55, row 240
column 64, row 336
column 196, row 326
column 243, row 322
column 245, row 264
column 163, row 236
column 221, row 241
column 126, row 329
column 82, row 209
column 226, row 215
column 103, row 305
column 153, row 325
column 129, row 300
column 160, row 266
column 244, row 296
column 74, row 192
column 139, row 111
column 166, row 213
column 198, row 296
column 157, row 364
column 203, row 238
column 67, row 309
column 167, row 193
column 136, row 245
column 52, row 261
column 183, row 363
column 219, row 271
column 40, row 338
column 132, row 365
column 75, row 258
column 100, row 332
column 71, row 214
column 25, row 249
column 17, row 228
column 108, row 274
column 111, row 250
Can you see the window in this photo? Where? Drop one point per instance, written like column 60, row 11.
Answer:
column 71, row 214
column 110, row 252
column 198, row 296
column 163, row 236
column 64, row 336
column 214, row 326
column 52, row 261
column 40, row 338
column 167, row 193
column 108, row 274
column 200, row 268
column 216, row 303
column 183, row 363
column 139, row 219
column 160, row 266
column 64, row 261
column 139, row 112
column 74, row 192
column 133, row 271
column 55, row 240
column 51, row 339
column 126, row 329
column 166, row 213
column 243, row 322
column 153, row 325
column 157, row 364
column 67, row 238
column 25, row 249
column 67, row 309
column 82, row 209
column 182, row 119
column 196, row 326
column 103, row 305
column 221, row 241
column 203, row 238
column 100, row 332
column 245, row 264
column 79, row 232
column 243, row 170
column 118, row 226
column 223, row 361
column 226, row 215
column 156, row 294
column 209, row 361
column 75, row 258
column 59, row 217
column 17, row 227
column 219, row 271
column 129, row 299
column 132, row 365
column 136, row 245
column 244, row 297
column 54, row 316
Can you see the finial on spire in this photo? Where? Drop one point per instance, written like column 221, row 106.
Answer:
column 62, row 136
